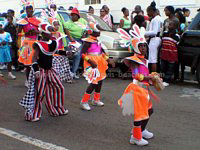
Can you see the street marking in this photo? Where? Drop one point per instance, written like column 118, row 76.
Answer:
column 188, row 92
column 30, row 140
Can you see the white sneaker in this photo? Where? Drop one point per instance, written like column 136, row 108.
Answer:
column 76, row 77
column 35, row 120
column 66, row 112
column 165, row 84
column 85, row 106
column 26, row 84
column 13, row 68
column 11, row 76
column 141, row 142
column 97, row 103
column 146, row 134
column 3, row 67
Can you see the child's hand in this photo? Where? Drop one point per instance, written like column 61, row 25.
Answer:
column 37, row 75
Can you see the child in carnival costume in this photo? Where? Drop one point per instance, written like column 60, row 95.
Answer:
column 95, row 66
column 60, row 63
column 27, row 33
column 43, row 79
column 136, row 98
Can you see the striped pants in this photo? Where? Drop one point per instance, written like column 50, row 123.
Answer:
column 48, row 85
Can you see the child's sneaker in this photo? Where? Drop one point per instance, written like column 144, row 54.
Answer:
column 1, row 75
column 85, row 106
column 141, row 142
column 11, row 76
column 97, row 103
column 165, row 84
column 146, row 134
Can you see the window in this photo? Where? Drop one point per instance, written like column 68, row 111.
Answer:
column 90, row 2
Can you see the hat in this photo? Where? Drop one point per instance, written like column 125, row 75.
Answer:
column 134, row 38
column 75, row 11
column 43, row 27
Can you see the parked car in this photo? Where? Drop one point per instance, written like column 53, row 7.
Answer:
column 109, row 38
column 189, row 48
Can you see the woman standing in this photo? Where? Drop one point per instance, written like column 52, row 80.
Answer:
column 105, row 17
column 154, row 35
column 125, row 22
column 170, row 13
column 29, row 26
column 91, row 10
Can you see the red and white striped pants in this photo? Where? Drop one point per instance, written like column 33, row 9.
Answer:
column 48, row 85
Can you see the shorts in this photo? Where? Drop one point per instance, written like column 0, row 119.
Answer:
column 153, row 50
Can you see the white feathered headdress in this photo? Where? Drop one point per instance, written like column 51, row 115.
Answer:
column 134, row 38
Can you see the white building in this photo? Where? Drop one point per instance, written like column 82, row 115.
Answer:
column 114, row 5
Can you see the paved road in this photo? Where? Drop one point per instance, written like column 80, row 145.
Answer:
column 175, row 122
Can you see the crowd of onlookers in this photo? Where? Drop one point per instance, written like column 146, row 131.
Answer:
column 156, row 29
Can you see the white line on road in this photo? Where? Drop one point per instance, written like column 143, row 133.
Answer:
column 30, row 140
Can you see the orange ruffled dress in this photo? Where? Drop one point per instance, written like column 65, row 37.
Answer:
column 140, row 98
column 95, row 54
column 26, row 51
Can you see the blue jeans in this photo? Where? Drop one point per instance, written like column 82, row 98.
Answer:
column 77, row 57
column 168, row 69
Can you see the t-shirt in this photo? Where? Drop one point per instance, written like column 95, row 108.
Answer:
column 169, row 50
column 75, row 30
column 154, row 27
column 127, row 23
column 6, row 38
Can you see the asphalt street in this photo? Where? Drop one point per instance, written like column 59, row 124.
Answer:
column 175, row 122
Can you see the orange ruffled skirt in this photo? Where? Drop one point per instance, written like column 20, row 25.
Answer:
column 102, row 66
column 26, row 52
column 141, row 101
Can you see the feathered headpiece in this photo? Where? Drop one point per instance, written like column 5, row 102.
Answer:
column 135, row 38
column 25, row 3
column 51, row 18
column 49, row 2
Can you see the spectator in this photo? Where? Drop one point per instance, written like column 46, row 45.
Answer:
column 186, row 14
column 169, row 52
column 125, row 22
column 136, row 11
column 5, row 57
column 154, row 35
column 75, row 33
column 140, row 21
column 110, row 17
column 11, row 12
column 11, row 28
column 70, row 7
column 91, row 10
column 178, row 10
column 145, row 17
column 182, row 21
column 170, row 13
column 105, row 17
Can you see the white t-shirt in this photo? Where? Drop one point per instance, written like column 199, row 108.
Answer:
column 155, row 26
column 5, row 37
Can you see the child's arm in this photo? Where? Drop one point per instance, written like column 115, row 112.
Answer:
column 34, row 60
column 106, row 57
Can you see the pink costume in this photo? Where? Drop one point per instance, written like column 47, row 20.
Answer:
column 94, row 49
